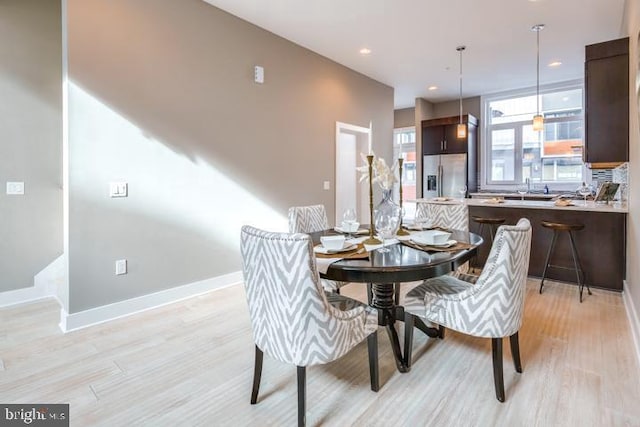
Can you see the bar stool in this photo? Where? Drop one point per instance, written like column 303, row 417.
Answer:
column 557, row 228
column 491, row 223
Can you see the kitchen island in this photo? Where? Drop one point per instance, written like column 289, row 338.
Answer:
column 601, row 243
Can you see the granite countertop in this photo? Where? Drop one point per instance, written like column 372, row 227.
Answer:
column 533, row 195
column 577, row 205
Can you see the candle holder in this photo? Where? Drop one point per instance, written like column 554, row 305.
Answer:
column 371, row 240
column 401, row 231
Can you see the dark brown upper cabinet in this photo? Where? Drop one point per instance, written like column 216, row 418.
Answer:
column 607, row 102
column 439, row 136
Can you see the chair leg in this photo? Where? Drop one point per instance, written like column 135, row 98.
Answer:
column 369, row 293
column 515, row 352
column 578, row 266
column 546, row 263
column 372, row 344
column 441, row 332
column 302, row 395
column 397, row 292
column 498, row 380
column 257, row 374
column 408, row 337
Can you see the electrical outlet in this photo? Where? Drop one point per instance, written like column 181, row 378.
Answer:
column 121, row 267
column 327, row 185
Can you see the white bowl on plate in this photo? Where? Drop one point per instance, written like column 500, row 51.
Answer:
column 431, row 237
column 332, row 243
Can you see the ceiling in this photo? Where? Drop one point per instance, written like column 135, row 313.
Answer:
column 413, row 42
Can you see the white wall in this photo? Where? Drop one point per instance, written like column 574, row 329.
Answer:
column 30, row 139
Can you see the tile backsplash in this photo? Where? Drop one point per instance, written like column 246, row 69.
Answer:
column 619, row 175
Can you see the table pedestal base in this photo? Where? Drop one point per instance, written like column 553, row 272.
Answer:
column 388, row 313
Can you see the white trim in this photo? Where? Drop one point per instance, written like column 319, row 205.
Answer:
column 25, row 295
column 632, row 315
column 63, row 289
column 45, row 285
column 348, row 129
column 105, row 313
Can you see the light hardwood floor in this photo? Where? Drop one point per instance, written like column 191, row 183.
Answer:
column 190, row 363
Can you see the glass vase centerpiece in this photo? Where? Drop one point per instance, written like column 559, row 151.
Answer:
column 378, row 172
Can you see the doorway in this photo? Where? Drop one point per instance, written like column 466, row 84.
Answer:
column 351, row 140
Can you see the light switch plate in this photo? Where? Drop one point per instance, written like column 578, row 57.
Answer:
column 327, row 185
column 258, row 74
column 15, row 188
column 118, row 189
column 121, row 267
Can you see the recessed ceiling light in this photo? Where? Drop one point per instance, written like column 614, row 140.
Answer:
column 555, row 64
column 433, row 88
column 365, row 51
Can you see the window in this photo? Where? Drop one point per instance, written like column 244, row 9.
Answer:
column 404, row 145
column 514, row 152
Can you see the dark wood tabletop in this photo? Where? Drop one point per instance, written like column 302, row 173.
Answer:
column 402, row 263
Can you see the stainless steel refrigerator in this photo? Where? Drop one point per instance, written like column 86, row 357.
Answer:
column 444, row 175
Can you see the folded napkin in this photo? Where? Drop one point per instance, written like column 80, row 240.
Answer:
column 453, row 248
column 323, row 261
column 563, row 202
column 359, row 231
column 494, row 200
column 358, row 252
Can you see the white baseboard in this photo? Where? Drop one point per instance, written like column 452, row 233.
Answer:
column 632, row 315
column 93, row 316
column 45, row 285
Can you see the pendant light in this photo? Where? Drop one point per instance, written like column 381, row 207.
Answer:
column 538, row 119
column 462, row 128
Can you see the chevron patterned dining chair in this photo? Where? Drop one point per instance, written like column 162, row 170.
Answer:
column 450, row 216
column 490, row 308
column 293, row 319
column 309, row 219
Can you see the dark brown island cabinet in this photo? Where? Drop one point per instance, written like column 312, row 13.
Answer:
column 439, row 136
column 601, row 244
column 606, row 103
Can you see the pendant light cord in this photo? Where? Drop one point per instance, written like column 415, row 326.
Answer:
column 460, row 49
column 538, row 68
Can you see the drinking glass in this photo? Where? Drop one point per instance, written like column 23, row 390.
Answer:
column 385, row 226
column 522, row 190
column 349, row 218
column 584, row 191
column 463, row 192
column 421, row 222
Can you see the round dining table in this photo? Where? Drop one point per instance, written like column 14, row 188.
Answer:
column 385, row 271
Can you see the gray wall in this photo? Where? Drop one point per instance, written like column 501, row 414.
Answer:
column 162, row 96
column 452, row 108
column 404, row 118
column 31, row 138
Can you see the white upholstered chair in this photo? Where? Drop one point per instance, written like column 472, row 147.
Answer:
column 293, row 319
column 450, row 216
column 309, row 219
column 490, row 308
